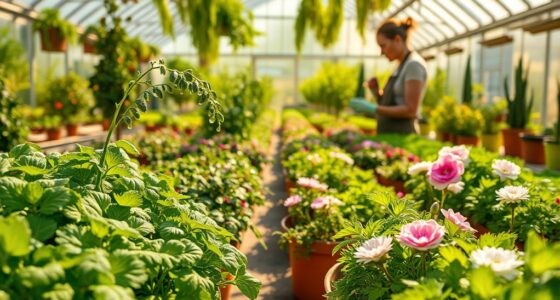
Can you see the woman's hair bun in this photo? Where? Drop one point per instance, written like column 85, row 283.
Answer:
column 408, row 24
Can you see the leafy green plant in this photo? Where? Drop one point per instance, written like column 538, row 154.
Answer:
column 326, row 21
column 14, row 68
column 68, row 97
column 332, row 87
column 467, row 84
column 435, row 92
column 469, row 121
column 49, row 18
column 518, row 108
column 366, row 7
column 490, row 112
column 13, row 129
column 444, row 115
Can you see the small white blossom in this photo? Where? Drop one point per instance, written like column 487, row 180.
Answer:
column 503, row 262
column 456, row 188
column 374, row 250
column 419, row 168
column 512, row 194
column 505, row 169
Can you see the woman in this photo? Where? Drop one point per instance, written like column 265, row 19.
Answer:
column 399, row 101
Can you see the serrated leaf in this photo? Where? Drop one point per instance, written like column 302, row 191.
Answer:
column 111, row 292
column 232, row 258
column 56, row 199
column 128, row 147
column 450, row 254
column 42, row 228
column 31, row 170
column 129, row 199
column 33, row 192
column 60, row 292
column 129, row 271
column 11, row 189
column 15, row 236
column 115, row 156
column 37, row 277
column 122, row 171
column 248, row 285
column 194, row 284
column 24, row 149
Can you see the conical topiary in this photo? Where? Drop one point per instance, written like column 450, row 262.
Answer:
column 467, row 84
column 360, row 91
column 518, row 108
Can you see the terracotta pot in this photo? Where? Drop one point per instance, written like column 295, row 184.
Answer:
column 309, row 268
column 37, row 130
column 440, row 136
column 54, row 134
column 106, row 124
column 453, row 138
column 334, row 273
column 446, row 137
column 480, row 229
column 467, row 140
column 288, row 185
column 491, row 142
column 226, row 290
column 368, row 131
column 532, row 148
column 72, row 129
column 319, row 128
column 188, row 131
column 89, row 47
column 552, row 152
column 397, row 185
column 512, row 141
column 52, row 40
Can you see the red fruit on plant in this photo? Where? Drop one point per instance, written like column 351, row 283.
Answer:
column 58, row 105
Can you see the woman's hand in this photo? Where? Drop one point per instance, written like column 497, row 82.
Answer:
column 373, row 86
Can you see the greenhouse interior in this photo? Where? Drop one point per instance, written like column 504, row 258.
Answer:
column 280, row 149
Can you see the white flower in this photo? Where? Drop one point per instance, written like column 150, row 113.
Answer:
column 512, row 194
column 505, row 169
column 373, row 250
column 460, row 152
column 326, row 201
column 503, row 262
column 456, row 188
column 314, row 158
column 419, row 168
column 345, row 158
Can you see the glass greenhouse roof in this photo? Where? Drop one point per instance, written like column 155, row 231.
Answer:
column 439, row 20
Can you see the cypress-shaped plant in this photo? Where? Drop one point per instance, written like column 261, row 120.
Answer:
column 518, row 107
column 467, row 84
column 360, row 91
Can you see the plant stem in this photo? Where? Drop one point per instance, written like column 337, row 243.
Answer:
column 442, row 198
column 424, row 262
column 384, row 269
column 512, row 218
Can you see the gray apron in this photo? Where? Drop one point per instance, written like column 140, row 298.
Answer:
column 389, row 124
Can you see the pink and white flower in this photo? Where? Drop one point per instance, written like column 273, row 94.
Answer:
column 505, row 169
column 418, row 168
column 292, row 200
column 312, row 183
column 421, row 235
column 456, row 188
column 325, row 202
column 457, row 219
column 367, row 144
column 345, row 158
column 374, row 250
column 503, row 262
column 460, row 152
column 445, row 171
column 512, row 194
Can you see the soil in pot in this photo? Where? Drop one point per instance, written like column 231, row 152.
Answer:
column 72, row 129
column 53, row 41
column 467, row 140
column 552, row 152
column 54, row 134
column 532, row 148
column 512, row 141
column 310, row 267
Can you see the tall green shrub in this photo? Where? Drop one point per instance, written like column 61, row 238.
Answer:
column 331, row 87
column 518, row 107
column 360, row 90
column 467, row 84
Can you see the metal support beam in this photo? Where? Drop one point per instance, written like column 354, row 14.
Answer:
column 486, row 11
column 505, row 7
column 426, row 7
column 451, row 13
column 468, row 11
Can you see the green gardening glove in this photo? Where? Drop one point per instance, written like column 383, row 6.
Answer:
column 361, row 105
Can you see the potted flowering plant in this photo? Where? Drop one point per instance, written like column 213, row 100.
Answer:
column 70, row 98
column 468, row 125
column 55, row 31
column 52, row 125
column 443, row 118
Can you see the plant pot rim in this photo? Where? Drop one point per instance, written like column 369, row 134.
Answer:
column 331, row 276
column 531, row 137
column 551, row 140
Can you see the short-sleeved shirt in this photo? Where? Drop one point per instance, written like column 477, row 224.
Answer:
column 414, row 68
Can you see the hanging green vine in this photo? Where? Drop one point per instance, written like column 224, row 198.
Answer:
column 212, row 19
column 327, row 21
column 165, row 16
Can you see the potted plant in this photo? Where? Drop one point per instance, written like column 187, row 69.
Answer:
column 532, row 143
column 70, row 98
column 89, row 39
column 518, row 111
column 443, row 117
column 552, row 144
column 55, row 32
column 490, row 137
column 469, row 123
column 52, row 125
column 13, row 128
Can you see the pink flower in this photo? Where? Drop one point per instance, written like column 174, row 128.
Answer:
column 243, row 204
column 421, row 235
column 368, row 144
column 389, row 154
column 326, row 201
column 293, row 200
column 457, row 219
column 445, row 171
column 460, row 152
column 312, row 183
column 400, row 194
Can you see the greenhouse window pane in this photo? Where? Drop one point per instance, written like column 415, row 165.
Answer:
column 494, row 8
column 515, row 6
column 474, row 10
column 535, row 3
column 451, row 20
column 458, row 12
column 47, row 4
column 86, row 9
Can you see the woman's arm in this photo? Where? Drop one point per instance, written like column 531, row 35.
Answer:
column 412, row 93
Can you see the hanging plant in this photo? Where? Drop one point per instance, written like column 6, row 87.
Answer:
column 165, row 16
column 55, row 31
column 366, row 7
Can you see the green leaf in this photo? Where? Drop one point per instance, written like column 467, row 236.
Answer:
column 541, row 257
column 31, row 170
column 115, row 156
column 42, row 228
column 36, row 277
column 111, row 292
column 129, row 199
column 33, row 192
column 60, row 292
column 450, row 254
column 24, row 149
column 15, row 236
column 128, row 147
column 122, row 171
column 248, row 285
column 483, row 283
column 11, row 190
column 129, row 271
column 195, row 285
column 86, row 149
column 232, row 259
column 56, row 199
